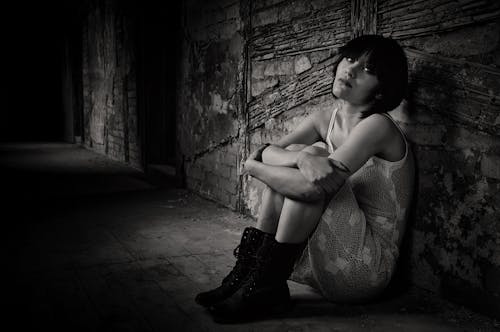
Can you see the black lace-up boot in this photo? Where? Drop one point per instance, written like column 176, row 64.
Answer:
column 245, row 253
column 265, row 292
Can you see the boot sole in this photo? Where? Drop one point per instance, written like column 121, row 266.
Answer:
column 213, row 303
column 274, row 312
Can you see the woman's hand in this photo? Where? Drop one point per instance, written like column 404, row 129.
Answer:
column 320, row 171
column 254, row 157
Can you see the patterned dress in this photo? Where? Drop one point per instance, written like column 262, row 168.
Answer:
column 352, row 254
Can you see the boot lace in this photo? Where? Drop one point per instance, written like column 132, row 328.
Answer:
column 256, row 275
column 241, row 269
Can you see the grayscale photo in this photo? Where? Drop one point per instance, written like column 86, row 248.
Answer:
column 251, row 165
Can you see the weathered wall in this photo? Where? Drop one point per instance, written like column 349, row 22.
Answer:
column 109, row 82
column 455, row 84
column 290, row 57
column 278, row 56
column 210, row 109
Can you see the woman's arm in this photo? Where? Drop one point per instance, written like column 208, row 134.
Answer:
column 287, row 181
column 285, row 151
column 369, row 137
column 307, row 132
column 276, row 156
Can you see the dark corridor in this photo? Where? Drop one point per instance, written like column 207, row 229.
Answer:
column 158, row 54
column 53, row 82
column 32, row 40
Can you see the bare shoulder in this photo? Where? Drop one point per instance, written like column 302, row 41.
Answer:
column 322, row 118
column 381, row 131
column 377, row 124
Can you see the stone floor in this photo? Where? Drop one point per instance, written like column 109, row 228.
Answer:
column 92, row 246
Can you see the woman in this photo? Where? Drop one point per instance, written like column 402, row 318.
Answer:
column 338, row 189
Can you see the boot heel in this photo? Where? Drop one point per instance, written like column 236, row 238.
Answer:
column 281, row 308
column 265, row 292
column 245, row 253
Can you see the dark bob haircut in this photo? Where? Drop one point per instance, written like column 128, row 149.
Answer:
column 388, row 61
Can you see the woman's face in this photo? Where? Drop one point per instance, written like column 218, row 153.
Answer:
column 355, row 81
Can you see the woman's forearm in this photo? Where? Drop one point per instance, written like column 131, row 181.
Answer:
column 287, row 181
column 276, row 156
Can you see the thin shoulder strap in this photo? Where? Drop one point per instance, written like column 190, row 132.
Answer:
column 397, row 125
column 401, row 131
column 330, row 127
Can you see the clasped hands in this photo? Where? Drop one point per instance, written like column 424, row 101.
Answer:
column 323, row 172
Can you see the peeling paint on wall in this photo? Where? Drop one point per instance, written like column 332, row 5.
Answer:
column 211, row 119
column 110, row 118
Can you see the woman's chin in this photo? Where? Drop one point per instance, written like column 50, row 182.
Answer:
column 340, row 92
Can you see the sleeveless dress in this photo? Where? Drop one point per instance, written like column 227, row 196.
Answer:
column 352, row 254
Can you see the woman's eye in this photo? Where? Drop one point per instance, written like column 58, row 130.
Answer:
column 349, row 59
column 369, row 70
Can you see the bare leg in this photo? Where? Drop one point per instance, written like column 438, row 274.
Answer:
column 272, row 203
column 270, row 210
column 299, row 219
column 265, row 287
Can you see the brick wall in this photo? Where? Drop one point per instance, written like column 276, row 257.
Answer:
column 210, row 109
column 109, row 82
column 253, row 70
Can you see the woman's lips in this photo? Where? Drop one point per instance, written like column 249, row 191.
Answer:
column 345, row 82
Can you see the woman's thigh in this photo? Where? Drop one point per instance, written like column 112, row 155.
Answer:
column 321, row 145
column 296, row 147
column 343, row 257
column 317, row 149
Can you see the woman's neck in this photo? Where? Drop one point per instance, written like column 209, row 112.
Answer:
column 352, row 112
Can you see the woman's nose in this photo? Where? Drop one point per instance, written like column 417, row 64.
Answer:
column 351, row 70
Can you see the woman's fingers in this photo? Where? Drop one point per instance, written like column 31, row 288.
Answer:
column 253, row 155
column 247, row 167
column 314, row 168
column 257, row 154
column 320, row 171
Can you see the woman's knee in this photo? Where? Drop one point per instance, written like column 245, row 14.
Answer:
column 321, row 145
column 296, row 147
column 316, row 149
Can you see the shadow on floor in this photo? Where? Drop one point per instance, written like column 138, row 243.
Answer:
column 92, row 246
